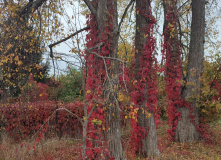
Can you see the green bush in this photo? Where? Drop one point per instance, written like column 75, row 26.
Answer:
column 71, row 85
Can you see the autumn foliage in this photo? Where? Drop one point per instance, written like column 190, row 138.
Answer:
column 171, row 51
column 144, row 92
column 117, row 92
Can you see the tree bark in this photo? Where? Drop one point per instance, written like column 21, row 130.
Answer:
column 113, row 119
column 147, row 124
column 173, row 65
column 187, row 131
column 106, row 18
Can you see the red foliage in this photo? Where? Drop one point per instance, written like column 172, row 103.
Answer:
column 24, row 120
column 34, row 92
column 145, row 88
column 95, row 74
column 217, row 85
column 173, row 74
column 173, row 71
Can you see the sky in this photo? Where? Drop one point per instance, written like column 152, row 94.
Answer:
column 79, row 22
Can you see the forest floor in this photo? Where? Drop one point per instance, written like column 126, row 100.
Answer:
column 67, row 149
column 187, row 151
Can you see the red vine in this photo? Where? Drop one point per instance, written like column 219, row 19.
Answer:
column 145, row 88
column 96, row 74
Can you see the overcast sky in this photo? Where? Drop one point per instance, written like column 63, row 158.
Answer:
column 80, row 22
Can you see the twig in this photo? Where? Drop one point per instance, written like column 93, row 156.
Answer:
column 108, row 57
column 125, row 13
column 52, row 116
column 65, row 39
column 31, row 7
column 91, row 7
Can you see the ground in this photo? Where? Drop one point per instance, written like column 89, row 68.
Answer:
column 66, row 148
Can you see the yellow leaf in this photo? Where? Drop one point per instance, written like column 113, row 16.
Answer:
column 16, row 58
column 20, row 63
column 88, row 91
column 120, row 97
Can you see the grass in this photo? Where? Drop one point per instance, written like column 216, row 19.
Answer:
column 50, row 149
column 194, row 150
column 69, row 149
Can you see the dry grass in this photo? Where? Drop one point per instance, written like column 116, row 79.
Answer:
column 69, row 149
column 50, row 149
column 189, row 151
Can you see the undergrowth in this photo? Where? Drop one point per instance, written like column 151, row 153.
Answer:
column 69, row 149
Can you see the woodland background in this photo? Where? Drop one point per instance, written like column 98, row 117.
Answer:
column 132, row 79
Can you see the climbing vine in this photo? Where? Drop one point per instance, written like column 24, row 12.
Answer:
column 173, row 69
column 99, row 46
column 144, row 94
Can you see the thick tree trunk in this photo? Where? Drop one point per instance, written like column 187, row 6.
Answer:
column 114, row 133
column 147, row 124
column 113, row 118
column 187, row 131
column 107, row 71
column 173, row 70
column 149, row 142
column 185, row 126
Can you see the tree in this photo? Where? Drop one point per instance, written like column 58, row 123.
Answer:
column 21, row 50
column 173, row 66
column 145, row 95
column 187, row 131
column 71, row 83
column 102, row 76
column 182, row 102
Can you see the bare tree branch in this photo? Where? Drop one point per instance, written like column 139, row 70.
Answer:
column 107, row 57
column 31, row 7
column 125, row 13
column 65, row 39
column 5, row 3
column 183, row 5
column 65, row 109
column 91, row 7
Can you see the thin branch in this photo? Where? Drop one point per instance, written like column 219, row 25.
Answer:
column 182, row 5
column 97, row 46
column 91, row 7
column 31, row 7
column 52, row 57
column 125, row 13
column 124, row 44
column 106, row 57
column 69, row 62
column 70, row 113
column 54, row 113
column 65, row 39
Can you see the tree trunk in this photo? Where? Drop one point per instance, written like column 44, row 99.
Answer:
column 183, row 127
column 187, row 131
column 145, row 122
column 113, row 118
column 106, row 72
column 173, row 65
